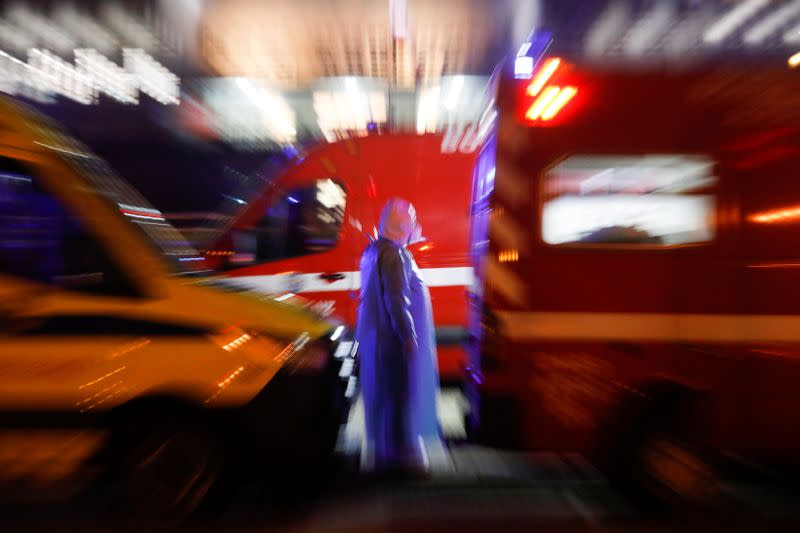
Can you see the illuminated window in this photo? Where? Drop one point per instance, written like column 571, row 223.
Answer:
column 649, row 199
column 41, row 240
column 305, row 220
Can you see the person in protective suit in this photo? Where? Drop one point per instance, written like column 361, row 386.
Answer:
column 398, row 368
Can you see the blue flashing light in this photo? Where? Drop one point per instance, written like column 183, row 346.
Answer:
column 293, row 200
column 531, row 52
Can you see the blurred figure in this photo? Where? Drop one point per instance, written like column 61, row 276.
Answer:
column 399, row 375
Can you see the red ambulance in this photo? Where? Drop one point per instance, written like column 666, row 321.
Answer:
column 636, row 243
column 303, row 235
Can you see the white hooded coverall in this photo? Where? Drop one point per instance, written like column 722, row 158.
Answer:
column 397, row 346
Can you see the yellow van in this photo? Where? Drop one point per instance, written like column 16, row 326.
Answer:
column 166, row 379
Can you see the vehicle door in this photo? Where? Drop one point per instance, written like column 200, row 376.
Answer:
column 57, row 365
column 301, row 245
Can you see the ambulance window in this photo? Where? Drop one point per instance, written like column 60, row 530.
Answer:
column 40, row 240
column 306, row 220
column 644, row 199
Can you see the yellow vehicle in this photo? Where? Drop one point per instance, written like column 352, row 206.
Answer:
column 167, row 380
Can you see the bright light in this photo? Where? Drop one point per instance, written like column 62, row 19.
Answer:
column 524, row 49
column 329, row 194
column 792, row 35
column 377, row 107
column 664, row 218
column 508, row 256
column 779, row 215
column 546, row 72
column 234, row 199
column 58, row 76
column 86, row 29
column 154, row 79
column 44, row 31
column 768, row 25
column 63, row 150
column 455, row 90
column 293, row 199
column 523, row 67
column 734, row 18
column 15, row 38
column 794, row 61
column 284, row 297
column 337, row 333
column 351, row 387
column 648, row 29
column 687, row 33
column 485, row 125
column 278, row 118
column 15, row 76
column 132, row 30
column 607, row 29
column 92, row 73
column 566, row 94
column 428, row 109
column 655, row 198
column 107, row 76
column 343, row 350
column 544, row 100
column 349, row 111
column 398, row 15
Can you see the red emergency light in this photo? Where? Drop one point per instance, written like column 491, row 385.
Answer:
column 548, row 98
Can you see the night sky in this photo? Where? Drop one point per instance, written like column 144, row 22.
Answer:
column 175, row 171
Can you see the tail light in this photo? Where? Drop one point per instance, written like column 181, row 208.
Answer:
column 546, row 95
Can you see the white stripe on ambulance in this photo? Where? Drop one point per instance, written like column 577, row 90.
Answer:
column 312, row 282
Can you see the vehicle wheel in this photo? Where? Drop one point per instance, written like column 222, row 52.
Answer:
column 165, row 472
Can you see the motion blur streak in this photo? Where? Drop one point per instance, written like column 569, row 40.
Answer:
column 734, row 18
column 771, row 23
column 610, row 204
column 788, row 214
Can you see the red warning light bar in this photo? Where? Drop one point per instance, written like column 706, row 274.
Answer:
column 548, row 69
column 540, row 104
column 549, row 99
column 564, row 96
